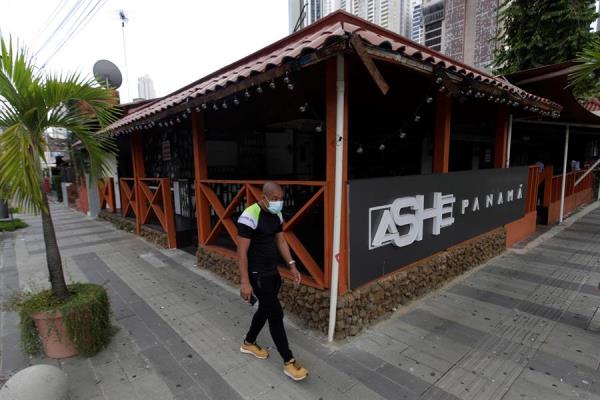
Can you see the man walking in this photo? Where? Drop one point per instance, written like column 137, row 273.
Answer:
column 260, row 245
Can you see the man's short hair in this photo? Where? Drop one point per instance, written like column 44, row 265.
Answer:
column 270, row 187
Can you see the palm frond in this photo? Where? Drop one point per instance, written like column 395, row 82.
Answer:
column 19, row 167
column 30, row 104
column 589, row 63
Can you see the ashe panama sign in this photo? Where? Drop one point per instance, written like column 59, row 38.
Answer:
column 396, row 221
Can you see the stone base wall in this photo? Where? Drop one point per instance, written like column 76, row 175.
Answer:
column 125, row 224
column 368, row 304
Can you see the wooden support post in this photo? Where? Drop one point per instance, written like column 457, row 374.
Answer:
column 168, row 213
column 137, row 160
column 200, row 173
column 501, row 137
column 441, row 139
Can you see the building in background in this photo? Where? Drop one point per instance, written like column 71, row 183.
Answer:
column 462, row 29
column 146, row 88
column 416, row 28
column 395, row 15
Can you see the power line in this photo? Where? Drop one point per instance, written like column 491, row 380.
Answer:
column 78, row 26
column 50, row 19
column 62, row 23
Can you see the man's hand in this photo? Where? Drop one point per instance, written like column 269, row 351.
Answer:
column 297, row 276
column 246, row 291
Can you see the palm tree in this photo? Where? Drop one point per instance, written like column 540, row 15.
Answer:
column 587, row 72
column 32, row 101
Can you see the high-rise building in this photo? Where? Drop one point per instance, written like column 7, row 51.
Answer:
column 146, row 87
column 433, row 19
column 416, row 27
column 462, row 29
column 394, row 15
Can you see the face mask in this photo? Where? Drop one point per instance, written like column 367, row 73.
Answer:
column 275, row 207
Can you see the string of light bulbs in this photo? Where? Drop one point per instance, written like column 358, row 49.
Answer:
column 441, row 81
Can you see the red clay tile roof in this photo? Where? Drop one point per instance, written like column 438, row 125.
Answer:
column 314, row 37
column 592, row 105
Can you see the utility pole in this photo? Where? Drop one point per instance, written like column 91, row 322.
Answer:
column 123, row 18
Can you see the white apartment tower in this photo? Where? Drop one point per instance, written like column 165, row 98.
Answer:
column 146, row 87
column 395, row 15
column 416, row 31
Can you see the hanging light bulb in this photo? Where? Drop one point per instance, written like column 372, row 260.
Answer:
column 184, row 115
column 236, row 101
column 197, row 109
column 381, row 147
column 429, row 100
column 247, row 94
column 360, row 150
column 272, row 85
column 171, row 123
column 319, row 128
column 303, row 107
column 438, row 80
column 203, row 106
column 469, row 92
column 215, row 107
column 188, row 110
column 160, row 124
column 402, row 134
column 259, row 89
column 224, row 105
column 177, row 120
column 417, row 118
column 290, row 86
column 286, row 79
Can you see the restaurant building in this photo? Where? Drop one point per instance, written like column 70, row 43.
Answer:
column 392, row 156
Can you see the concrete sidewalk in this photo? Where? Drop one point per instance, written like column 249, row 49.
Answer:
column 524, row 326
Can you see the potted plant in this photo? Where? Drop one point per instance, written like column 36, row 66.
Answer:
column 31, row 101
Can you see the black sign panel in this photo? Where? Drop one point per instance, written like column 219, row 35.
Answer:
column 396, row 221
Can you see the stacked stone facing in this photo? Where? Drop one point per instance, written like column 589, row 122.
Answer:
column 360, row 308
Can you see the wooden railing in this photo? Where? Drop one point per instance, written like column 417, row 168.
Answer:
column 128, row 197
column 146, row 198
column 155, row 199
column 533, row 184
column 570, row 187
column 106, row 192
column 223, row 200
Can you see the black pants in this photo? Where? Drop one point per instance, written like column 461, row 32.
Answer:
column 266, row 289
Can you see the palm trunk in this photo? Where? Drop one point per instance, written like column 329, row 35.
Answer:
column 53, row 259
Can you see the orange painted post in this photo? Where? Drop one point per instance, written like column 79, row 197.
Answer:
column 111, row 195
column 548, row 182
column 501, row 137
column 137, row 159
column 169, row 216
column 200, row 173
column 441, row 140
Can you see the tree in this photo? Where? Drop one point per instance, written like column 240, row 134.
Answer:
column 535, row 33
column 32, row 101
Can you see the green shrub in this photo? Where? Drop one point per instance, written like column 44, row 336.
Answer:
column 86, row 315
column 12, row 225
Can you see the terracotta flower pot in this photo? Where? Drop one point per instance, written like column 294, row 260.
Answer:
column 54, row 335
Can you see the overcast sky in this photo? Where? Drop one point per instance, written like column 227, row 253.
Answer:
column 174, row 41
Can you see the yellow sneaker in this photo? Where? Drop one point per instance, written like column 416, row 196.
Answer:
column 254, row 349
column 294, row 370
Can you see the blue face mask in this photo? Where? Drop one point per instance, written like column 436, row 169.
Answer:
column 275, row 207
